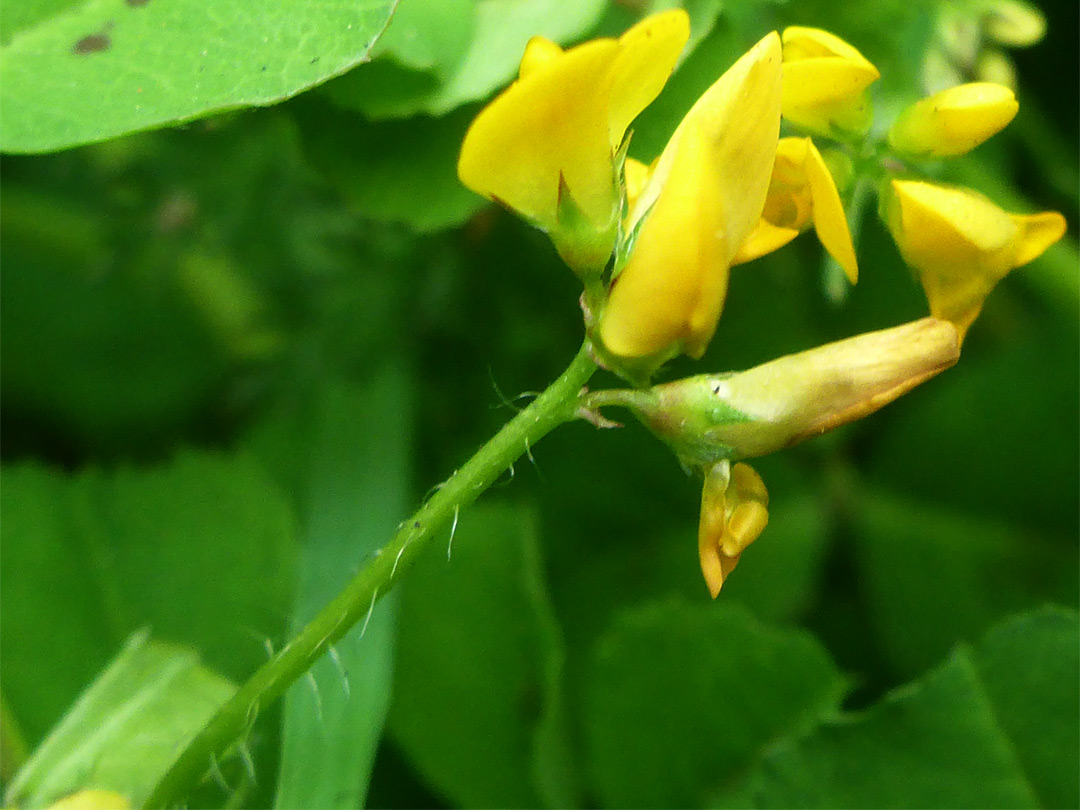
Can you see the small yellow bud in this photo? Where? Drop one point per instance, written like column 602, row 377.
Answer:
column 953, row 121
column 825, row 82
column 546, row 147
column 734, row 512
column 702, row 199
column 962, row 244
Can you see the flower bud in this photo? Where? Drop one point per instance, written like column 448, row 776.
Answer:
column 711, row 418
column 734, row 512
column 961, row 243
column 825, row 82
column 953, row 121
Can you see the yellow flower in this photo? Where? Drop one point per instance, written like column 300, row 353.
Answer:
column 825, row 81
column 953, row 121
column 547, row 146
column 734, row 512
column 962, row 244
column 802, row 192
column 701, row 200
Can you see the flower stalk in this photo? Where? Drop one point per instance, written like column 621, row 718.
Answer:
column 556, row 405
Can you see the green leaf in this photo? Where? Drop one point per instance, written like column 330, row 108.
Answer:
column 993, row 727
column 477, row 706
column 934, row 576
column 433, row 35
column 126, row 728
column 1030, row 666
column 97, row 70
column 501, row 28
column 199, row 548
column 357, row 489
column 684, row 696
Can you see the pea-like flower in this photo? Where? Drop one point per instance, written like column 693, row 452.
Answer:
column 953, row 121
column 734, row 512
column 825, row 82
column 701, row 200
column 802, row 192
column 548, row 146
column 961, row 244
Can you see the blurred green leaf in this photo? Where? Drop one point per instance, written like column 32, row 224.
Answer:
column 1030, row 666
column 430, row 35
column 97, row 70
column 199, row 548
column 126, row 728
column 993, row 727
column 933, row 576
column 476, row 705
column 394, row 171
column 685, row 696
column 499, row 33
column 357, row 489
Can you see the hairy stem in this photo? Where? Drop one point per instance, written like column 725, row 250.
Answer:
column 556, row 405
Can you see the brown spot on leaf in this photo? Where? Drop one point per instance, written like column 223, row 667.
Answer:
column 93, row 43
column 136, row 3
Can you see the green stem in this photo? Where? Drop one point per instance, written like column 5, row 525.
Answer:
column 555, row 406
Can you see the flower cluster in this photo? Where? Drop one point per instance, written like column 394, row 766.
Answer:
column 654, row 243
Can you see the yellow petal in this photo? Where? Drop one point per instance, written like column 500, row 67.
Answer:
column 539, row 51
column 764, row 239
column 1036, row 232
column 953, row 121
column 636, row 176
column 734, row 512
column 702, row 200
column 962, row 244
column 674, row 284
column 801, row 42
column 502, row 157
column 830, row 221
column 547, row 144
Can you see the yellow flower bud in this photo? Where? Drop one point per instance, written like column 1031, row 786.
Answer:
column 716, row 417
column 734, row 512
column 962, row 244
column 802, row 192
column 547, row 146
column 953, row 121
column 825, row 81
column 702, row 199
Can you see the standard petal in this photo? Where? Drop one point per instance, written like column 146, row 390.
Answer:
column 503, row 158
column 647, row 55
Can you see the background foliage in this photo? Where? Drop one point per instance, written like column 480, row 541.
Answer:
column 237, row 351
